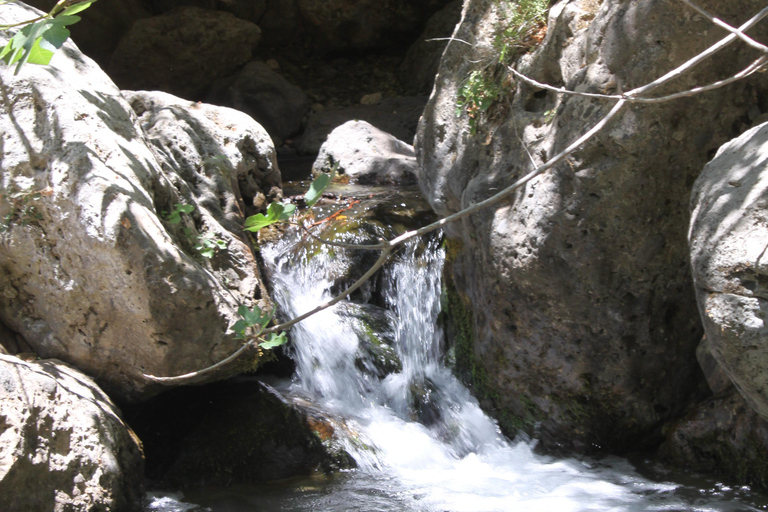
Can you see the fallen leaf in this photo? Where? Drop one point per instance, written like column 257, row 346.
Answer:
column 126, row 223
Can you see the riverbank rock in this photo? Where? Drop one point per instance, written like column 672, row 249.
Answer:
column 183, row 51
column 239, row 431
column 276, row 104
column 580, row 319
column 98, row 265
column 63, row 445
column 721, row 435
column 367, row 155
column 728, row 240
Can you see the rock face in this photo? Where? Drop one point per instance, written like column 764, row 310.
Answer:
column 367, row 155
column 63, row 446
column 182, row 52
column 92, row 270
column 721, row 435
column 728, row 240
column 240, row 431
column 421, row 62
column 577, row 301
column 270, row 99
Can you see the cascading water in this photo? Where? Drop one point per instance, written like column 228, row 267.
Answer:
column 420, row 440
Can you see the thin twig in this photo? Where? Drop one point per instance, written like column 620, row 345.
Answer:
column 720, row 23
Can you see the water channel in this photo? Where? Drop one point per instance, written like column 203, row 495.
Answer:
column 418, row 437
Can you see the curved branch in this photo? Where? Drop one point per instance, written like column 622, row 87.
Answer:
column 738, row 33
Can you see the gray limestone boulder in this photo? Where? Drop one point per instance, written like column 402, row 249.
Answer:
column 183, row 51
column 93, row 268
column 63, row 445
column 728, row 239
column 274, row 102
column 367, row 155
column 579, row 317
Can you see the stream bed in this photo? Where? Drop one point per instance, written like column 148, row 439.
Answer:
column 419, row 439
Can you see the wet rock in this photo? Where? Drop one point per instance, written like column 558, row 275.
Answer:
column 398, row 116
column 582, row 310
column 367, row 155
column 722, row 435
column 270, row 99
column 421, row 62
column 183, row 51
column 240, row 431
column 728, row 238
column 92, row 271
column 63, row 445
column 374, row 328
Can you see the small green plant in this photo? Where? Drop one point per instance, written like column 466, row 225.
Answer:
column 282, row 212
column 39, row 38
column 208, row 247
column 476, row 96
column 174, row 216
column 524, row 27
column 252, row 322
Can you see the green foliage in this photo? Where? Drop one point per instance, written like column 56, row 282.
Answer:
column 39, row 38
column 523, row 28
column 276, row 212
column 476, row 95
column 208, row 247
column 318, row 186
column 174, row 216
column 252, row 322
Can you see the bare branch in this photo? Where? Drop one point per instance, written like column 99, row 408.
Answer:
column 698, row 58
column 741, row 35
column 193, row 375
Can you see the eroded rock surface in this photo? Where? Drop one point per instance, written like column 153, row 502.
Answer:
column 728, row 241
column 367, row 155
column 93, row 270
column 63, row 445
column 183, row 51
column 581, row 310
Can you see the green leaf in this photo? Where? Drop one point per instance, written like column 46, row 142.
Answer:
column 221, row 244
column 273, row 341
column 316, row 189
column 38, row 54
column 239, row 327
column 242, row 310
column 184, row 208
column 276, row 212
column 78, row 7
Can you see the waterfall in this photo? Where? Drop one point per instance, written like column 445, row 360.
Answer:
column 419, row 438
column 418, row 434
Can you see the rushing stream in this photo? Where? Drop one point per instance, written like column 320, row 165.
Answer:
column 420, row 440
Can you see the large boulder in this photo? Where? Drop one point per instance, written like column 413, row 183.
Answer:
column 278, row 105
column 574, row 294
column 239, row 431
column 335, row 25
column 183, row 51
column 728, row 240
column 367, row 156
column 63, row 445
column 95, row 267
